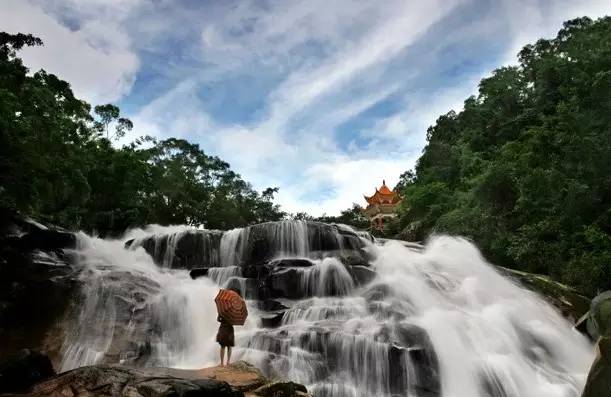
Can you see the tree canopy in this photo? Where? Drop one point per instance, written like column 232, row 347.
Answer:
column 57, row 163
column 525, row 168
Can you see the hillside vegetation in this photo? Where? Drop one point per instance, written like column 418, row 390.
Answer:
column 525, row 168
column 58, row 163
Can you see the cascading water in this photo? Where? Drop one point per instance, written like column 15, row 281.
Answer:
column 131, row 310
column 431, row 321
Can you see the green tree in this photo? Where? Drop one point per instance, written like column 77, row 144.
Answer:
column 524, row 169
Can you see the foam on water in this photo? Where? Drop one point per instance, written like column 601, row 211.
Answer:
column 436, row 320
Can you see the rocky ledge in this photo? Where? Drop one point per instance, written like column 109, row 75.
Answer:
column 30, row 374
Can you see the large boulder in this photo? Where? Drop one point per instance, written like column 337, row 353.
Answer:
column 282, row 389
column 598, row 383
column 37, row 282
column 187, row 249
column 599, row 318
column 569, row 301
column 104, row 380
column 362, row 274
column 24, row 369
column 241, row 376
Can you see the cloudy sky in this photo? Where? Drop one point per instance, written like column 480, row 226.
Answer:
column 322, row 98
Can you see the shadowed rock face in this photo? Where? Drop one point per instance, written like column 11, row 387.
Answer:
column 37, row 280
column 24, row 369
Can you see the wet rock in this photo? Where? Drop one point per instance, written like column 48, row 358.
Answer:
column 362, row 275
column 248, row 287
column 271, row 320
column 198, row 272
column 271, row 305
column 241, row 376
column 598, row 383
column 599, row 318
column 377, row 292
column 36, row 285
column 188, row 249
column 24, row 369
column 414, row 341
column 281, row 389
column 286, row 283
column 120, row 381
column 284, row 263
column 570, row 302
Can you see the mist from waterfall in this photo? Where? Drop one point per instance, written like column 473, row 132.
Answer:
column 435, row 320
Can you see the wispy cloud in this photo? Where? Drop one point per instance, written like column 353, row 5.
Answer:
column 323, row 99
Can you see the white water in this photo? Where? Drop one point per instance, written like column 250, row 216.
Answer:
column 480, row 322
column 126, row 295
column 488, row 337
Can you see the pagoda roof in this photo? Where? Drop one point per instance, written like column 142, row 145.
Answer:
column 383, row 195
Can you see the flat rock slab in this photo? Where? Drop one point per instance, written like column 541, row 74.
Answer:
column 240, row 375
column 103, row 380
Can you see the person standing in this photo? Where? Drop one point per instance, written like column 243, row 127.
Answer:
column 226, row 338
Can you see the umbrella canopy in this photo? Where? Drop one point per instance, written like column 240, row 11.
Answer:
column 231, row 307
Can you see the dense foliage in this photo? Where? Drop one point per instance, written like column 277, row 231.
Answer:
column 525, row 169
column 57, row 163
column 352, row 216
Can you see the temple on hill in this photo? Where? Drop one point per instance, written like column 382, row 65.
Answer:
column 382, row 206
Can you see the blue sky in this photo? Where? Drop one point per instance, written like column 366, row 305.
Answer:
column 322, row 99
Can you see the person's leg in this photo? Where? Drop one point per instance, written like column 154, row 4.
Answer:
column 228, row 354
column 222, row 355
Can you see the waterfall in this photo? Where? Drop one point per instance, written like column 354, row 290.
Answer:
column 133, row 311
column 432, row 320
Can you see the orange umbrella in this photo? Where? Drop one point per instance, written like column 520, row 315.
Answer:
column 231, row 307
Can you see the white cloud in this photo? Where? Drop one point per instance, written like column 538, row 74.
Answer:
column 328, row 62
column 96, row 58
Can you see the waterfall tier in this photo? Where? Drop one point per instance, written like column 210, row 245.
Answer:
column 329, row 308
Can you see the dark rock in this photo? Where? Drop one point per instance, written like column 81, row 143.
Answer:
column 286, row 283
column 248, row 287
column 414, row 342
column 281, row 389
column 280, row 263
column 21, row 371
column 47, row 240
column 271, row 320
column 36, row 286
column 259, row 271
column 570, row 302
column 187, row 249
column 270, row 305
column 599, row 319
column 120, row 381
column 362, row 275
column 198, row 272
column 598, row 383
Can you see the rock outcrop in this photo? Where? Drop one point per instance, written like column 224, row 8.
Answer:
column 36, row 283
column 599, row 379
column 31, row 373
column 24, row 369
column 569, row 301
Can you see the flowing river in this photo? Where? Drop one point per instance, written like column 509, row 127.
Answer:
column 329, row 308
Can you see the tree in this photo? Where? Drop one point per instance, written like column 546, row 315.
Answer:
column 108, row 114
column 524, row 168
column 55, row 166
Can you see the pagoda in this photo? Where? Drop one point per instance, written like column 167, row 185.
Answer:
column 382, row 206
